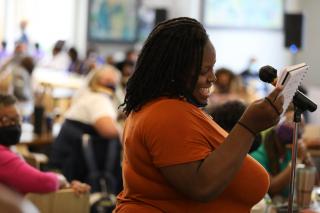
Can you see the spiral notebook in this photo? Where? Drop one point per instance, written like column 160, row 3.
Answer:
column 290, row 78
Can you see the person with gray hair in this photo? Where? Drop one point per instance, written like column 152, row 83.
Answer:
column 91, row 112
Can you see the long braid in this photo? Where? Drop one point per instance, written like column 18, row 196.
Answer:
column 169, row 63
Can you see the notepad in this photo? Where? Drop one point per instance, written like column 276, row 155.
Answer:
column 290, row 78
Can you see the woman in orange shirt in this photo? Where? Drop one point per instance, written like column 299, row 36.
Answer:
column 176, row 159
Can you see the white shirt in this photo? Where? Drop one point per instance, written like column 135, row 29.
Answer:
column 89, row 106
column 61, row 61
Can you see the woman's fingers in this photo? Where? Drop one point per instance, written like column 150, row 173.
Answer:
column 275, row 93
column 276, row 100
column 80, row 188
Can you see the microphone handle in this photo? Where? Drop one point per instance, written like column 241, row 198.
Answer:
column 303, row 102
column 300, row 100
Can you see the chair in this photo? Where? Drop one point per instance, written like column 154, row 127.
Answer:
column 62, row 201
column 87, row 160
column 32, row 158
column 104, row 180
column 101, row 179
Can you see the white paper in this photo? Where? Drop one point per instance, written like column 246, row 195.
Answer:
column 290, row 78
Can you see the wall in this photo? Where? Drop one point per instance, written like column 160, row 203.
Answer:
column 80, row 26
column 234, row 47
column 48, row 20
column 188, row 8
column 118, row 49
column 2, row 15
column 310, row 52
column 311, row 44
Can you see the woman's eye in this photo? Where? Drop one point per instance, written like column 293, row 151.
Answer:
column 206, row 70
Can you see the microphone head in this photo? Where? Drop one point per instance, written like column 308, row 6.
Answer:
column 267, row 74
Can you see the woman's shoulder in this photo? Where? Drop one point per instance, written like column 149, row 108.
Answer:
column 6, row 155
column 169, row 110
column 4, row 149
column 171, row 104
column 90, row 97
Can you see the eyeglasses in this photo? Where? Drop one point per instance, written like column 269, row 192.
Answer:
column 8, row 121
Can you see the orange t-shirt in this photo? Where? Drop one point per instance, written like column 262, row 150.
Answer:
column 168, row 132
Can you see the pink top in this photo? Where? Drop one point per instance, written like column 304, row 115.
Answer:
column 20, row 176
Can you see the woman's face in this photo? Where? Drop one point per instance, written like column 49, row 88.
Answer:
column 9, row 116
column 204, row 85
column 108, row 78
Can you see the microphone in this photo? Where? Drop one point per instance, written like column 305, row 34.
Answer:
column 268, row 74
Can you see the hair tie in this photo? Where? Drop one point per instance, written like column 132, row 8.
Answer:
column 247, row 128
column 273, row 106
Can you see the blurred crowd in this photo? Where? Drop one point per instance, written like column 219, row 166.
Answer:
column 91, row 125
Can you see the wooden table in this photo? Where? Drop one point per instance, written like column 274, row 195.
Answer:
column 29, row 138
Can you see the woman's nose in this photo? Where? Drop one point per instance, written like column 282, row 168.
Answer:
column 212, row 77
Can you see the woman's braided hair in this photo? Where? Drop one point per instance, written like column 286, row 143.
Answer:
column 169, row 63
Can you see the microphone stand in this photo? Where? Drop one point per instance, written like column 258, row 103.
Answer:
column 301, row 103
column 294, row 151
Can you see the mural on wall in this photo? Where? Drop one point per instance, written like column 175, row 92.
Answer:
column 262, row 14
column 112, row 20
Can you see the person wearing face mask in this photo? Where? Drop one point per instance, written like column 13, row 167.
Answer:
column 16, row 173
column 274, row 154
column 91, row 112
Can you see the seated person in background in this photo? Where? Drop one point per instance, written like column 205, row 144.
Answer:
column 22, row 86
column 91, row 112
column 228, row 86
column 14, row 171
column 110, row 60
column 225, row 77
column 130, row 56
column 59, row 59
column 274, row 155
column 228, row 114
column 75, row 63
column 250, row 78
column 4, row 54
column 127, row 71
column 6, row 69
column 38, row 53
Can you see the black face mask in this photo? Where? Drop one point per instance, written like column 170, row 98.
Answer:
column 194, row 101
column 110, row 86
column 10, row 135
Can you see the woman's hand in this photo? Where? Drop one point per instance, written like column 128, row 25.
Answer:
column 264, row 113
column 63, row 183
column 302, row 150
column 80, row 188
column 304, row 155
